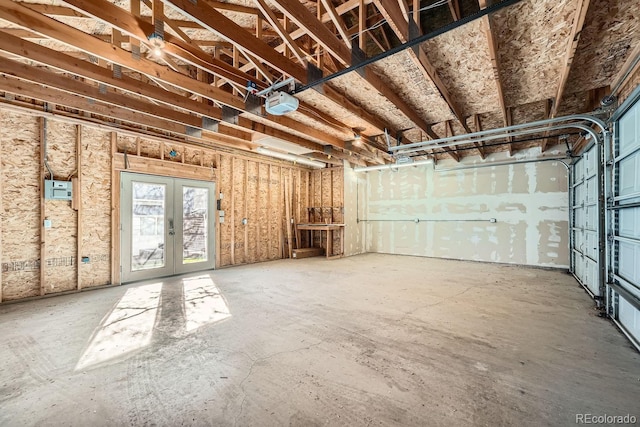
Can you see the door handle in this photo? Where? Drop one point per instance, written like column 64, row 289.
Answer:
column 171, row 229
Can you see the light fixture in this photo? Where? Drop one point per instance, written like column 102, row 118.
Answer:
column 290, row 157
column 392, row 166
column 357, row 140
column 157, row 44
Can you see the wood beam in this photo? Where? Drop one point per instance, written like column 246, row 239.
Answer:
column 478, row 127
column 49, row 27
column 215, row 21
column 362, row 23
column 304, row 19
column 140, row 29
column 94, row 93
column 113, row 54
column 60, row 61
column 395, row 16
column 574, row 37
column 572, row 45
column 299, row 14
column 238, row 8
column 47, row 9
column 337, row 21
column 36, row 91
column 495, row 64
column 449, row 132
column 510, row 123
column 627, row 70
column 454, row 7
column 271, row 18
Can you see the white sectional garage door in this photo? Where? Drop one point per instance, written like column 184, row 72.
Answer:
column 623, row 291
column 585, row 248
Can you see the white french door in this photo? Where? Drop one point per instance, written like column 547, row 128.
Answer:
column 167, row 226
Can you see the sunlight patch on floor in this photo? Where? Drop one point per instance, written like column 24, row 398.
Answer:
column 203, row 303
column 127, row 328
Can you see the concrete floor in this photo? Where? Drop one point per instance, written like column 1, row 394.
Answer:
column 367, row 340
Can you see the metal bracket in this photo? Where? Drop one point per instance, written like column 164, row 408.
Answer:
column 253, row 104
column 314, row 74
column 195, row 132
column 230, row 115
column 414, row 33
column 357, row 56
column 210, row 124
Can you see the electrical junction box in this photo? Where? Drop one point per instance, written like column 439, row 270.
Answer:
column 58, row 190
column 279, row 103
column 403, row 160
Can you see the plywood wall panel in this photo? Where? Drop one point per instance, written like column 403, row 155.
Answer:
column 238, row 177
column 276, row 204
column 224, row 187
column 20, row 201
column 252, row 188
column 251, row 209
column 96, row 207
column 263, row 211
column 60, row 240
column 127, row 144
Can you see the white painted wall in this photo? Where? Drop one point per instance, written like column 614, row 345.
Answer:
column 354, row 196
column 529, row 203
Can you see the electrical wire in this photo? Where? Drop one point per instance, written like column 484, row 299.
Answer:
column 384, row 21
column 409, row 44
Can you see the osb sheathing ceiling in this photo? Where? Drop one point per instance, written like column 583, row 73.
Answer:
column 462, row 53
column 533, row 40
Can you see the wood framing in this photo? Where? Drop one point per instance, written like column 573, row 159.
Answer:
column 574, row 39
column 43, row 212
column 77, row 194
column 398, row 22
column 495, row 64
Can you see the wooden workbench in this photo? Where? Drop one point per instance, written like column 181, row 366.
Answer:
column 329, row 229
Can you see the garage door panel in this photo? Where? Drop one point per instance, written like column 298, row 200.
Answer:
column 629, row 173
column 591, row 245
column 629, row 316
column 629, row 131
column 628, row 255
column 578, row 241
column 624, row 225
column 578, row 196
column 591, row 190
column 590, row 165
column 591, row 270
column 629, row 223
column 591, row 218
column 579, row 218
column 585, row 216
column 578, row 171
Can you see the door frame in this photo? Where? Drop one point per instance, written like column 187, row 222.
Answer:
column 173, row 252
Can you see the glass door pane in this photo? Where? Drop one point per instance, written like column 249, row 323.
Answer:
column 148, row 226
column 195, row 224
column 195, row 228
column 166, row 226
